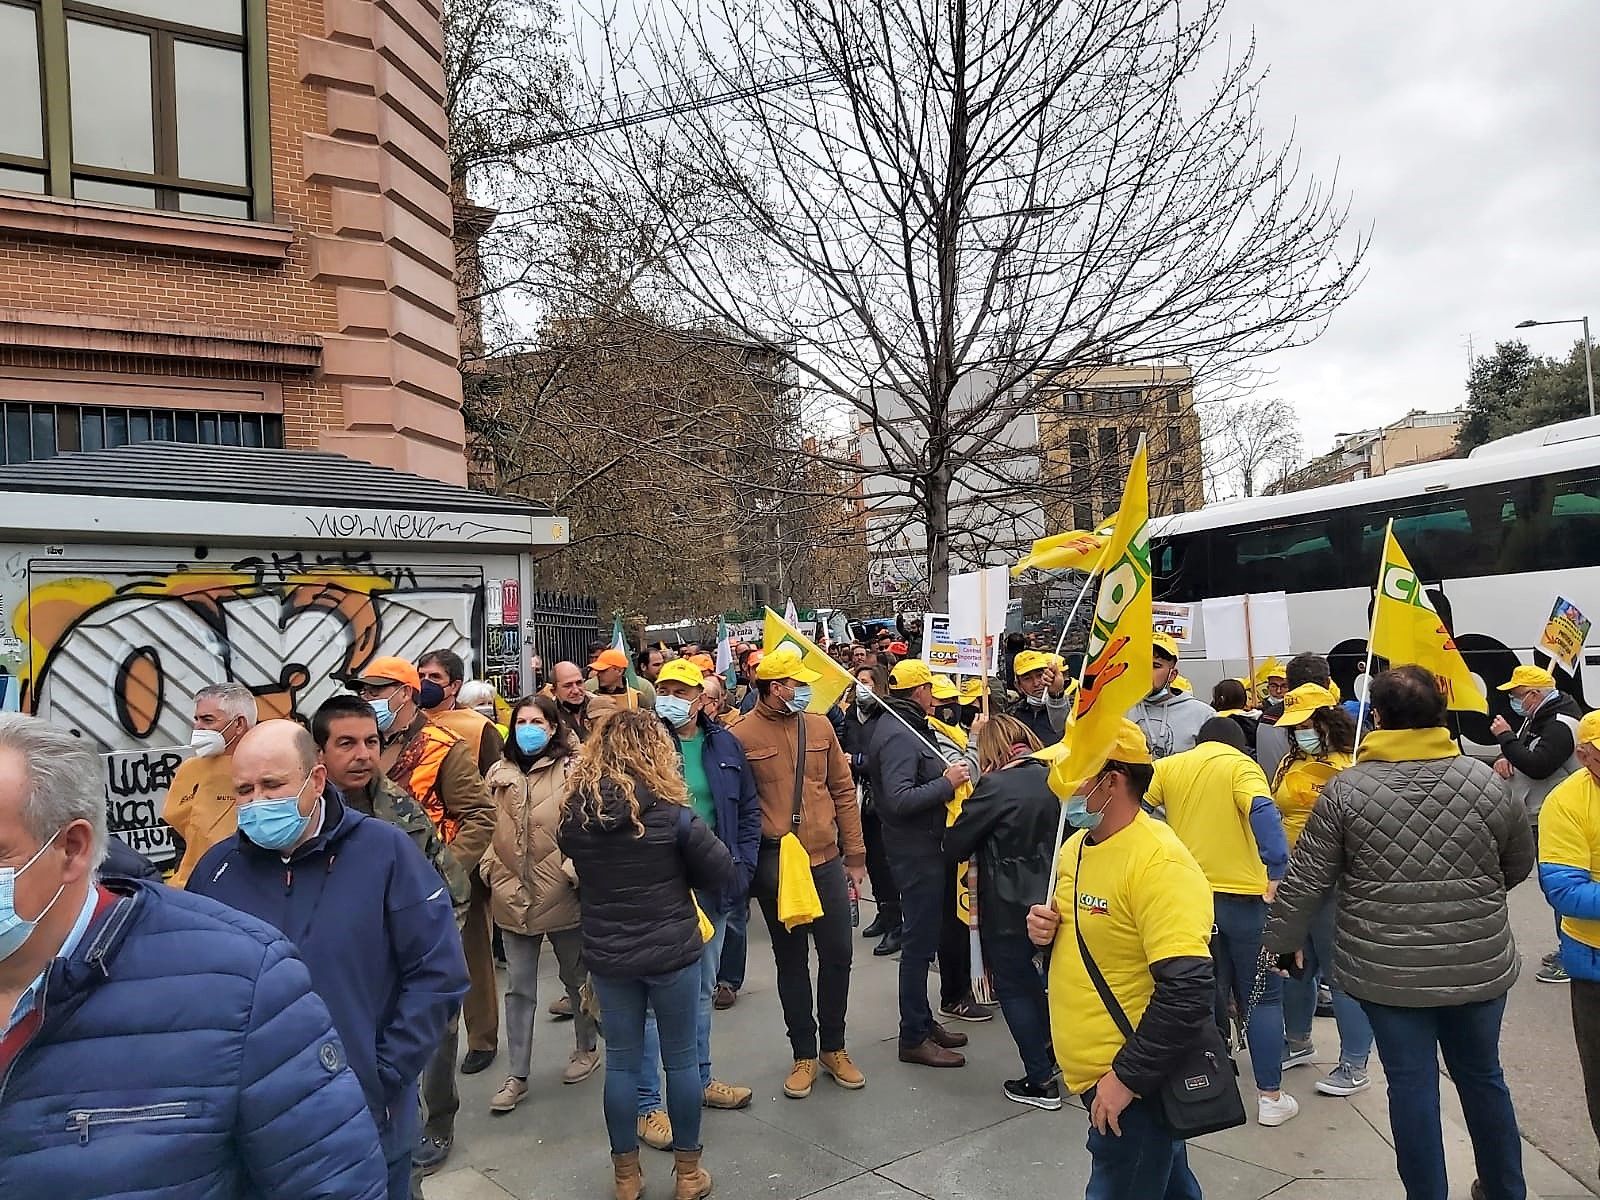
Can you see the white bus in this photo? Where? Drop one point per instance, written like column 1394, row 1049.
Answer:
column 1495, row 537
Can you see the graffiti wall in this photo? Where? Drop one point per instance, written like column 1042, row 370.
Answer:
column 115, row 650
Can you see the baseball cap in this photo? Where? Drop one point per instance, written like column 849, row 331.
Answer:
column 684, row 671
column 944, row 688
column 1304, row 700
column 1589, row 729
column 389, row 669
column 909, row 673
column 1164, row 643
column 1131, row 745
column 785, row 663
column 610, row 659
column 704, row 661
column 898, row 648
column 971, row 690
column 1529, row 677
column 1030, row 661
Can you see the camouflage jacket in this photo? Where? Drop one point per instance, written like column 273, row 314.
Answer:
column 386, row 800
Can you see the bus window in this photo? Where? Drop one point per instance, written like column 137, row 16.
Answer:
column 1291, row 555
column 1560, row 526
column 1178, row 564
column 1445, row 536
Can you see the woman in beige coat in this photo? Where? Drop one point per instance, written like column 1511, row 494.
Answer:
column 533, row 890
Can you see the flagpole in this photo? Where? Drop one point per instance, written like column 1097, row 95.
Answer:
column 1372, row 635
column 1082, row 592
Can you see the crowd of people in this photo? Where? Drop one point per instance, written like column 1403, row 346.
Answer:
column 343, row 892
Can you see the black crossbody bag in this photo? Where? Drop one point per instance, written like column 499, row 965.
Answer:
column 1201, row 1093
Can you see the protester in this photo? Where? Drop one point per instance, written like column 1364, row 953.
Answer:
column 815, row 799
column 379, row 937
column 716, row 697
column 1171, row 720
column 1420, row 844
column 1043, row 704
column 442, row 673
column 1569, row 874
column 1322, row 743
column 1272, row 685
column 1218, row 803
column 566, row 684
column 911, row 785
column 439, row 770
column 1231, row 700
column 639, row 852
column 722, row 792
column 647, row 663
column 610, row 689
column 954, row 745
column 1143, row 909
column 533, row 892
column 872, row 685
column 1536, row 756
column 200, row 804
column 1007, row 828
column 1273, row 741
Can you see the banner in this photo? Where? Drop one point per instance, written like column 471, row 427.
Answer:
column 1174, row 620
column 1565, row 634
column 1406, row 629
column 835, row 679
column 951, row 656
column 1078, row 550
column 1116, row 669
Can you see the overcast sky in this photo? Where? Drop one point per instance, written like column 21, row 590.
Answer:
column 1467, row 136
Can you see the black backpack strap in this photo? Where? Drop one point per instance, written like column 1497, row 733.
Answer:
column 1107, row 997
column 799, row 769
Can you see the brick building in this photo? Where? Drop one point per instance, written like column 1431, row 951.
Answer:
column 229, row 222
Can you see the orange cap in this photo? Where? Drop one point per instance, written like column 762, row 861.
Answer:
column 389, row 669
column 609, row 659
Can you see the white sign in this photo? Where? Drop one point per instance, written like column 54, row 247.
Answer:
column 1175, row 620
column 955, row 656
column 1228, row 636
column 896, row 575
column 980, row 596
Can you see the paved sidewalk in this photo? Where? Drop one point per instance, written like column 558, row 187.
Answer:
column 912, row 1132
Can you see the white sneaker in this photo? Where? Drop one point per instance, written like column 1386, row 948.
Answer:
column 1272, row 1113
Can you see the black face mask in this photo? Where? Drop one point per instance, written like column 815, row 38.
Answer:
column 950, row 714
column 430, row 695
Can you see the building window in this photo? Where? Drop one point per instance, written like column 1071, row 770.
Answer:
column 1072, row 401
column 145, row 103
column 1107, row 437
column 1173, row 399
column 1134, row 434
column 33, row 431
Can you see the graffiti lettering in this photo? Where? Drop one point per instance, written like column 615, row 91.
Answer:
column 142, row 773
column 281, row 568
column 403, row 527
column 136, row 784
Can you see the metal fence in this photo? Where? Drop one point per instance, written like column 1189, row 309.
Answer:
column 562, row 627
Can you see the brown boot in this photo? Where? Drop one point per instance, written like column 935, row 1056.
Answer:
column 694, row 1181
column 950, row 1039
column 629, row 1178
column 931, row 1054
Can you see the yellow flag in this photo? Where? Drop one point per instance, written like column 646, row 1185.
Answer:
column 1116, row 669
column 1407, row 629
column 826, row 691
column 1078, row 550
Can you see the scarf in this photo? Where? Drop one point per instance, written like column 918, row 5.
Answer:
column 1407, row 745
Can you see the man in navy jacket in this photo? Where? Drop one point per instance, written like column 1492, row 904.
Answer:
column 368, row 912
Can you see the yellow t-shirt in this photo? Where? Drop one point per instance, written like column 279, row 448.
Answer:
column 1300, row 782
column 1569, row 836
column 1207, row 793
column 1142, row 898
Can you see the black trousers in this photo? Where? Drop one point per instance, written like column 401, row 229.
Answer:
column 823, row 1028
column 884, row 889
column 955, row 948
column 1586, row 1029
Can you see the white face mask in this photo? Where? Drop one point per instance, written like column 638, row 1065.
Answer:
column 207, row 743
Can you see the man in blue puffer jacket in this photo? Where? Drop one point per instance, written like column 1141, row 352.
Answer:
column 366, row 909
column 152, row 1041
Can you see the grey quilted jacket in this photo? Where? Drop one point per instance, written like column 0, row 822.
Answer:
column 1422, row 854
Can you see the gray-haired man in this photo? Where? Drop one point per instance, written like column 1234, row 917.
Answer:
column 200, row 804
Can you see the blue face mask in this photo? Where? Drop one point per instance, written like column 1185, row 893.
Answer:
column 1518, row 707
column 1308, row 740
column 274, row 823
column 1079, row 815
column 674, row 710
column 801, row 700
column 531, row 738
column 15, row 929
column 385, row 714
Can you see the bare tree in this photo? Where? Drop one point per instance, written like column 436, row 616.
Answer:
column 1249, row 445
column 956, row 210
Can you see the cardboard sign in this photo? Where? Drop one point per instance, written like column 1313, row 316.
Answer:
column 946, row 655
column 975, row 595
column 1174, row 620
column 1565, row 633
column 1230, row 636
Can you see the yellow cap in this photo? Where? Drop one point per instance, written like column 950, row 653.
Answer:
column 682, row 670
column 1532, row 677
column 944, row 688
column 909, row 673
column 785, row 663
column 1299, row 704
column 1271, row 669
column 1131, row 745
column 971, row 690
column 1030, row 661
column 1181, row 684
column 1165, row 643
column 1589, row 729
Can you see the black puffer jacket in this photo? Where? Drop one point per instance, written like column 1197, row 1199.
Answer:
column 1540, row 750
column 1422, row 852
column 637, row 916
column 1009, row 825
column 909, row 789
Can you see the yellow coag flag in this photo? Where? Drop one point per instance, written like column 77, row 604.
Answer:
column 1407, row 629
column 826, row 691
column 1078, row 550
column 1116, row 669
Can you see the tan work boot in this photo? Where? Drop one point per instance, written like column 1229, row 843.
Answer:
column 655, row 1130
column 580, row 1066
column 804, row 1073
column 694, row 1181
column 629, row 1177
column 726, row 1095
column 845, row 1073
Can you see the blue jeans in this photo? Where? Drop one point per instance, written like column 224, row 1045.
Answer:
column 624, row 1001
column 922, row 896
column 731, row 972
column 649, row 1072
column 1236, row 950
column 1300, row 995
column 1410, row 1041
column 1020, row 989
column 1145, row 1163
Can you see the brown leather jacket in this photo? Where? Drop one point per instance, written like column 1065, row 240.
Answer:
column 532, row 886
column 829, row 818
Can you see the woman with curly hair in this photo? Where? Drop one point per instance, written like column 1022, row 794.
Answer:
column 638, row 850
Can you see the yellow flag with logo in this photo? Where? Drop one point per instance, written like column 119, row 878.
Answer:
column 1116, row 668
column 1406, row 628
column 1078, row 550
column 826, row 691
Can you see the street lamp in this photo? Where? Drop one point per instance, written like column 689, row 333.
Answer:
column 1588, row 349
